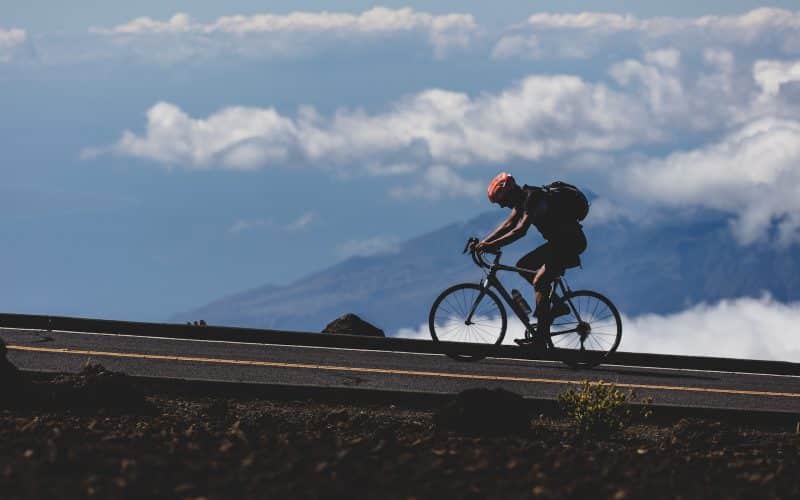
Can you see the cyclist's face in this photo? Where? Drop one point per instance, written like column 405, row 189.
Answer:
column 505, row 200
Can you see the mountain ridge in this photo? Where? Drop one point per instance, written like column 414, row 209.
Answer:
column 661, row 267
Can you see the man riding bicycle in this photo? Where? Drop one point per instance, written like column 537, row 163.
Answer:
column 556, row 211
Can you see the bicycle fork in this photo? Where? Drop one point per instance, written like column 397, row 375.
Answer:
column 484, row 286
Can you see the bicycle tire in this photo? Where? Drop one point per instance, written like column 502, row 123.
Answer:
column 459, row 306
column 599, row 315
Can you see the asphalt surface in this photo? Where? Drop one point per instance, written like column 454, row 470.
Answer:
column 393, row 371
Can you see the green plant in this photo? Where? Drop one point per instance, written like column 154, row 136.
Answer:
column 601, row 407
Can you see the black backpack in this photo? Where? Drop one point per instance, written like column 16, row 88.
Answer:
column 568, row 200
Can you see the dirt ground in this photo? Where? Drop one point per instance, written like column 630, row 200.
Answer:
column 94, row 435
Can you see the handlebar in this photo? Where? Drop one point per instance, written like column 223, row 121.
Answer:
column 477, row 256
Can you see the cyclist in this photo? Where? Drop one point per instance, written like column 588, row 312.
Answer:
column 555, row 220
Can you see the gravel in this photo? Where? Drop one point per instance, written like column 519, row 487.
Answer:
column 68, row 438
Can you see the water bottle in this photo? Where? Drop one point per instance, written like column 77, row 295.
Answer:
column 522, row 304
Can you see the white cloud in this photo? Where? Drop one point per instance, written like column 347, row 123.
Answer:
column 745, row 328
column 237, row 138
column 770, row 75
column 751, row 173
column 582, row 35
column 538, row 117
column 377, row 245
column 302, row 222
column 586, row 20
column 511, row 45
column 242, row 225
column 603, row 210
column 439, row 182
column 672, row 93
column 657, row 82
column 275, row 33
column 179, row 23
column 667, row 58
column 9, row 41
column 435, row 131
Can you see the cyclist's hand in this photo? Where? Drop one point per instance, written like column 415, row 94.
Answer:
column 484, row 247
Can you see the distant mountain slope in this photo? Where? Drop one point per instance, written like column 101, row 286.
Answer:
column 657, row 268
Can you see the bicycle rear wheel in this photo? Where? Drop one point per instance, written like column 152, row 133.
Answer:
column 466, row 316
column 586, row 335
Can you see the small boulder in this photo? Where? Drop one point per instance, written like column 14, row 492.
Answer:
column 96, row 387
column 351, row 324
column 485, row 412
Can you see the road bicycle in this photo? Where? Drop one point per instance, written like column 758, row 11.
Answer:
column 581, row 327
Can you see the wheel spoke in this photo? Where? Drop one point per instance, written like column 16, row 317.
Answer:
column 448, row 318
column 602, row 336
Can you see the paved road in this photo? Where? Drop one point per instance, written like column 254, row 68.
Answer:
column 332, row 367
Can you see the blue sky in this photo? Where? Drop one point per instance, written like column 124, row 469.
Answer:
column 151, row 166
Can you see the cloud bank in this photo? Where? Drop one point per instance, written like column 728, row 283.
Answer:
column 286, row 34
column 751, row 328
column 542, row 116
column 699, row 112
column 588, row 34
column 744, row 328
column 752, row 172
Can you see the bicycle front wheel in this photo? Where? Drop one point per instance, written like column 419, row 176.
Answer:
column 591, row 330
column 465, row 315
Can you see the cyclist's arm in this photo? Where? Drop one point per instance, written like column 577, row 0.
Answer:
column 505, row 227
column 516, row 232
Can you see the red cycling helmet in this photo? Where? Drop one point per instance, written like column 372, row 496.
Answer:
column 500, row 187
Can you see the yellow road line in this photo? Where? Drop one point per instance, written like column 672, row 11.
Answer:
column 468, row 376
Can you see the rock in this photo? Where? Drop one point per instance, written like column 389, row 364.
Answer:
column 351, row 324
column 485, row 411
column 692, row 430
column 96, row 387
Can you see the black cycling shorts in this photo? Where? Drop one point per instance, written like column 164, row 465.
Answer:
column 558, row 254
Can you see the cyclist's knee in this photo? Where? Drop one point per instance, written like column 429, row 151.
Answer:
column 541, row 282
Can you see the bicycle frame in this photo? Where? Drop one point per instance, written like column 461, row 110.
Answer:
column 492, row 280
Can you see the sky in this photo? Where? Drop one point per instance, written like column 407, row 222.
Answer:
column 159, row 155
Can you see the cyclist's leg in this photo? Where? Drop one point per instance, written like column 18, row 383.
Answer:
column 533, row 260
column 540, row 259
column 542, row 283
column 566, row 255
